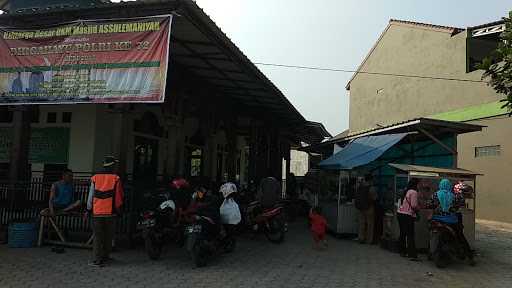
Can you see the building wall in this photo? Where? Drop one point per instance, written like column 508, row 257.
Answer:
column 384, row 99
column 108, row 135
column 82, row 134
column 494, row 188
column 405, row 50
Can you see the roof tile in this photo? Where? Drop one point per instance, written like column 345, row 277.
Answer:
column 427, row 25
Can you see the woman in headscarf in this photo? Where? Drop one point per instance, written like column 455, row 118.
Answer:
column 444, row 203
column 445, row 206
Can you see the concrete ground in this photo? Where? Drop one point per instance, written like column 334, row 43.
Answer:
column 258, row 263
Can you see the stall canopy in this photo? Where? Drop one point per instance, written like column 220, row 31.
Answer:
column 417, row 170
column 361, row 151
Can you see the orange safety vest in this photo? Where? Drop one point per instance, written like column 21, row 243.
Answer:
column 104, row 194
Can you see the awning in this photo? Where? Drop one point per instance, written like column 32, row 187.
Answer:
column 361, row 151
column 435, row 171
column 434, row 127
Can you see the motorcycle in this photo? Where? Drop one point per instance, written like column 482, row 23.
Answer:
column 205, row 239
column 269, row 221
column 444, row 244
column 159, row 226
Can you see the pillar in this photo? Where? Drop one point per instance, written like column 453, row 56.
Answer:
column 121, row 139
column 253, row 146
column 232, row 151
column 19, row 153
column 180, row 150
column 172, row 138
column 211, row 156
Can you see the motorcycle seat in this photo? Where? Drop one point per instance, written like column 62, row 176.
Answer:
column 440, row 225
column 271, row 212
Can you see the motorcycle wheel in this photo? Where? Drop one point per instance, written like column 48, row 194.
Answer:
column 198, row 257
column 275, row 230
column 153, row 249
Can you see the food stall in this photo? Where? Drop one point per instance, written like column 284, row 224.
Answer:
column 341, row 177
column 427, row 142
column 429, row 181
column 336, row 195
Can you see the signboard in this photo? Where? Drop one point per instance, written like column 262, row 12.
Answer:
column 47, row 145
column 104, row 61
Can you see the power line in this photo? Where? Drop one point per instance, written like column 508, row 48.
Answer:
column 366, row 72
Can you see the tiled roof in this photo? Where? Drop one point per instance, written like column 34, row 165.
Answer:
column 426, row 25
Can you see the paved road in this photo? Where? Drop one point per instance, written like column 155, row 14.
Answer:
column 257, row 263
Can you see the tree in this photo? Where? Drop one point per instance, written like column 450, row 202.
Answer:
column 498, row 67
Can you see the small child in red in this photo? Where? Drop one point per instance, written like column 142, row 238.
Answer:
column 318, row 227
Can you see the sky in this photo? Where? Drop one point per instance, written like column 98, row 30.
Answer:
column 329, row 33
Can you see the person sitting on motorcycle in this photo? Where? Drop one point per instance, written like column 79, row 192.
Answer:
column 181, row 194
column 445, row 205
column 206, row 207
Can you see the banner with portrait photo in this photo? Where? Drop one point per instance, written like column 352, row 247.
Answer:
column 97, row 61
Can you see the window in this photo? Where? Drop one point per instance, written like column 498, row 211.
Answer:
column 66, row 117
column 487, row 151
column 195, row 163
column 51, row 117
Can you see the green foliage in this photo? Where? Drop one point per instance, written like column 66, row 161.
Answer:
column 498, row 67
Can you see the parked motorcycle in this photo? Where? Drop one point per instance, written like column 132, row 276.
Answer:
column 444, row 244
column 269, row 221
column 159, row 226
column 205, row 239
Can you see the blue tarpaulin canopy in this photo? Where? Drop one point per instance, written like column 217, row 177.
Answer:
column 361, row 151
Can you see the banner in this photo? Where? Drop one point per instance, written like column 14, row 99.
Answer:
column 100, row 61
column 47, row 145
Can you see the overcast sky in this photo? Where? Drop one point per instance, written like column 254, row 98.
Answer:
column 329, row 33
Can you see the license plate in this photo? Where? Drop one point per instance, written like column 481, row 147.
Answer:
column 147, row 223
column 194, row 229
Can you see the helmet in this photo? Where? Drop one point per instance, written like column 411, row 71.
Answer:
column 168, row 204
column 179, row 183
column 227, row 189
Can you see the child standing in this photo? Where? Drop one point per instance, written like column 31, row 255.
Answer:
column 318, row 227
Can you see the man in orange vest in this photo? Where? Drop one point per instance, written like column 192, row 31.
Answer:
column 104, row 203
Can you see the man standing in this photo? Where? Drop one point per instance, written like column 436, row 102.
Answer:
column 269, row 191
column 365, row 202
column 104, row 203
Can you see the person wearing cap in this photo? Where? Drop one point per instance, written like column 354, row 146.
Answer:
column 104, row 203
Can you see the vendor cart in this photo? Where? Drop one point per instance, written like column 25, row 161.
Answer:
column 429, row 180
column 336, row 196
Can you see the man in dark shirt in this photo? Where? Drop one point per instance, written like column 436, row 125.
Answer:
column 365, row 199
column 269, row 192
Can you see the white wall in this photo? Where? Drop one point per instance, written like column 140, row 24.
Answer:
column 82, row 134
column 299, row 164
